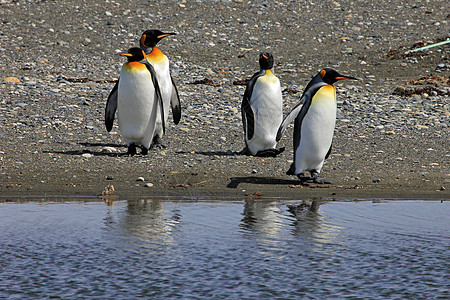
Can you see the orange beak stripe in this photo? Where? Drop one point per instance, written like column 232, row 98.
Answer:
column 162, row 35
column 322, row 73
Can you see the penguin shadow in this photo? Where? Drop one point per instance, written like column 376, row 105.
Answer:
column 213, row 153
column 269, row 153
column 235, row 181
column 93, row 152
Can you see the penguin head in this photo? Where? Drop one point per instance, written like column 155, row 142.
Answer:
column 266, row 61
column 134, row 54
column 151, row 37
column 330, row 76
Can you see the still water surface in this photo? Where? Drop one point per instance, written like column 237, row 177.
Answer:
column 225, row 249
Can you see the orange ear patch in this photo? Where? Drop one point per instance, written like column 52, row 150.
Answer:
column 322, row 73
column 143, row 37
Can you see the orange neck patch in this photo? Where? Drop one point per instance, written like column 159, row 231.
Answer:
column 156, row 56
column 133, row 66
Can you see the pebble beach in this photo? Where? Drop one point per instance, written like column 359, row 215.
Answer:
column 59, row 65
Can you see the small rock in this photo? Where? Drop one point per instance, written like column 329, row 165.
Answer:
column 108, row 149
column 379, row 162
column 109, row 177
column 12, row 79
column 148, row 185
column 234, row 110
column 140, row 179
column 229, row 152
column 376, row 180
column 86, row 155
column 254, row 171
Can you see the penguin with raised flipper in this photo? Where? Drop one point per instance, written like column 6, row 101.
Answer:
column 315, row 118
column 169, row 92
column 137, row 99
column 262, row 110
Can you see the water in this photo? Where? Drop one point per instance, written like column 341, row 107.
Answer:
column 225, row 249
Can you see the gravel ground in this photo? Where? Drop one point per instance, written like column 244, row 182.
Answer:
column 392, row 132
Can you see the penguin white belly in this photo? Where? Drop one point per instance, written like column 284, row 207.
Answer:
column 137, row 107
column 267, row 104
column 317, row 130
column 165, row 85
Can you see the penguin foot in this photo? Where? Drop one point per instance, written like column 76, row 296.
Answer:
column 270, row 152
column 291, row 170
column 131, row 150
column 157, row 142
column 144, row 151
column 316, row 179
column 244, row 151
column 302, row 177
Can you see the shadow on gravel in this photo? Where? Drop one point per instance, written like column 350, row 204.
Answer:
column 235, row 181
column 81, row 152
column 220, row 153
column 102, row 145
column 212, row 153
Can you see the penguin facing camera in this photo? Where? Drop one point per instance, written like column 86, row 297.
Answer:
column 262, row 110
column 315, row 119
column 137, row 99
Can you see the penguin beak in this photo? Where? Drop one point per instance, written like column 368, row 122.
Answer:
column 165, row 34
column 346, row 77
column 125, row 54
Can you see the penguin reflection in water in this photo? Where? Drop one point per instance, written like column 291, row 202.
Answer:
column 137, row 99
column 315, row 118
column 169, row 92
column 262, row 110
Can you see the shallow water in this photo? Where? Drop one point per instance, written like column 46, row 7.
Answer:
column 221, row 249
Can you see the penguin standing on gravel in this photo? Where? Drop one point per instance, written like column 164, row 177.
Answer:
column 137, row 99
column 262, row 110
column 169, row 91
column 315, row 118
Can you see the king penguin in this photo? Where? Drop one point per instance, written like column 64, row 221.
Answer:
column 169, row 91
column 137, row 99
column 315, row 118
column 262, row 110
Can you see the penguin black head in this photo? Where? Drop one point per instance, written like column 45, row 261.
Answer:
column 134, row 54
column 151, row 37
column 266, row 61
column 330, row 76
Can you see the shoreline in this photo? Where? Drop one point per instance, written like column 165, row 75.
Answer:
column 392, row 131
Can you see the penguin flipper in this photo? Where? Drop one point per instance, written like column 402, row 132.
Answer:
column 329, row 151
column 111, row 107
column 248, row 116
column 158, row 97
column 289, row 118
column 175, row 103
